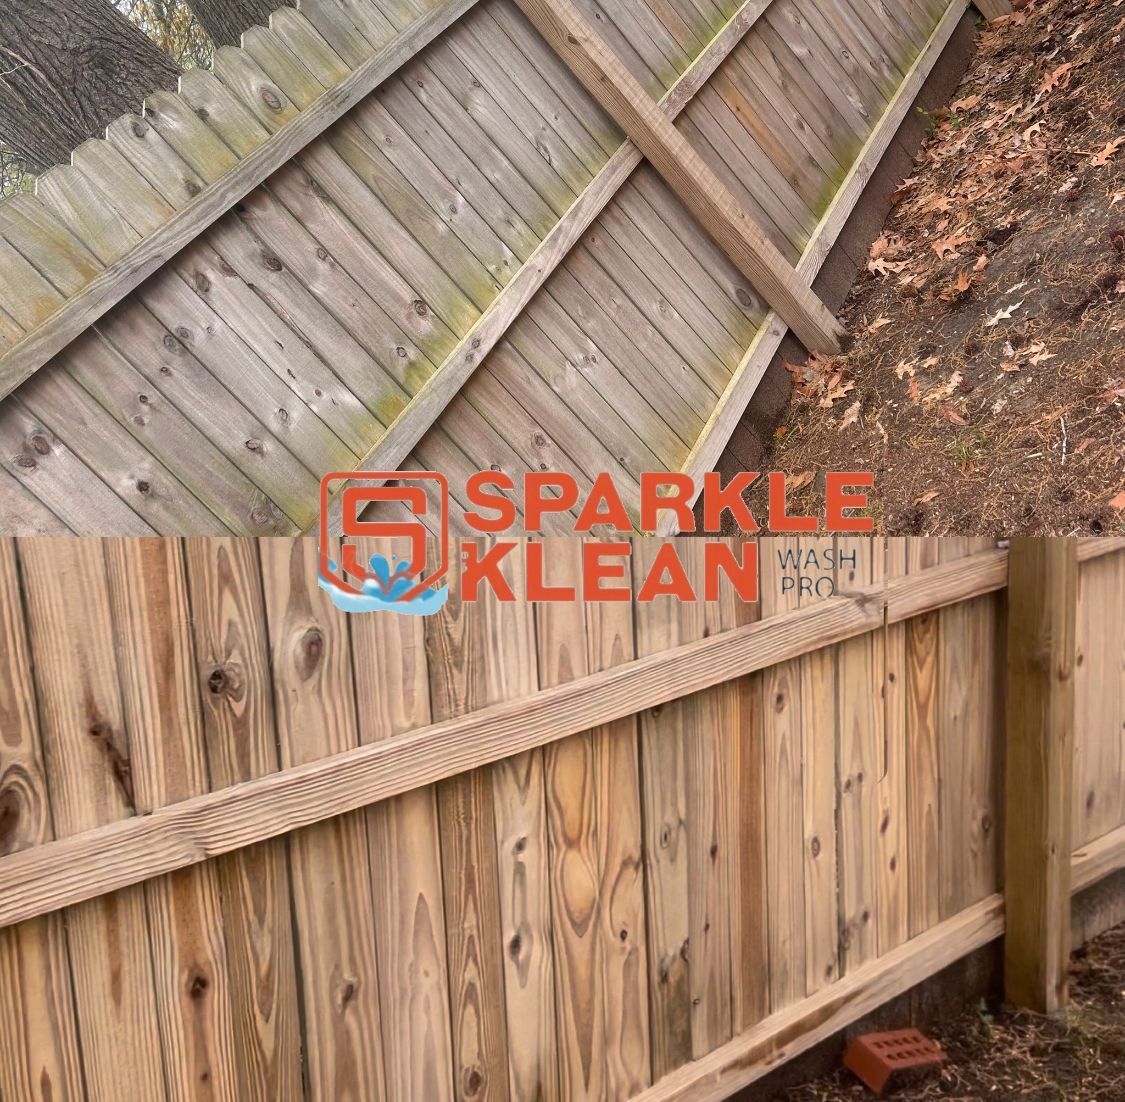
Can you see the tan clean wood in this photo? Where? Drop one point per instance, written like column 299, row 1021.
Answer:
column 232, row 656
column 333, row 909
column 109, row 286
column 783, row 731
column 405, row 854
column 617, row 90
column 783, row 1035
column 1042, row 600
column 39, row 1056
column 193, row 985
column 230, row 649
column 87, row 757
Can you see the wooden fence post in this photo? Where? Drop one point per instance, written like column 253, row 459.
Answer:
column 1042, row 597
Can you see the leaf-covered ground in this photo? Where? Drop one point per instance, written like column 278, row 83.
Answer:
column 995, row 1054
column 986, row 383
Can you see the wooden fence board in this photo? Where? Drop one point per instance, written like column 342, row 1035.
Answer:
column 193, row 989
column 314, row 705
column 410, row 932
column 39, row 1057
column 87, row 758
column 231, row 649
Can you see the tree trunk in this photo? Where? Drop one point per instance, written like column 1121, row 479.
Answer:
column 225, row 20
column 67, row 69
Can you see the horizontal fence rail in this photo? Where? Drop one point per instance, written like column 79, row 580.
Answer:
column 58, row 874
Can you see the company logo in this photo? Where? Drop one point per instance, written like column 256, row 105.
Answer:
column 416, row 583
column 409, row 585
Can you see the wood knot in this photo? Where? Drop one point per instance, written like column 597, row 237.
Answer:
column 197, row 988
column 171, row 343
column 40, row 444
column 515, row 947
column 474, row 1081
column 420, row 308
column 310, row 651
column 271, row 99
column 814, row 847
column 273, row 263
column 9, row 817
column 25, row 461
column 202, row 283
column 253, row 444
column 139, row 128
column 218, row 681
column 102, row 733
column 143, row 486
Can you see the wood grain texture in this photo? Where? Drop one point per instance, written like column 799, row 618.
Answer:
column 89, row 774
column 618, row 91
column 393, row 697
column 783, row 732
column 149, row 599
column 39, row 1057
column 460, row 364
column 705, row 452
column 752, row 1055
column 1042, row 612
column 122, row 276
column 231, row 656
column 314, row 706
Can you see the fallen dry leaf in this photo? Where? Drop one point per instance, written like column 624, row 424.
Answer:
column 966, row 104
column 798, row 481
column 851, row 415
column 1060, row 77
column 1003, row 315
column 929, row 495
column 885, row 267
column 959, row 286
column 877, row 324
column 948, row 246
column 981, row 264
column 1099, row 160
column 904, row 368
column 1118, row 502
column 952, row 416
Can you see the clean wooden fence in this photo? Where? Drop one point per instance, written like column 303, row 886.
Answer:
column 390, row 234
column 256, row 848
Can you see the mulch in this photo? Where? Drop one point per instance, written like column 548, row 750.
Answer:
column 985, row 385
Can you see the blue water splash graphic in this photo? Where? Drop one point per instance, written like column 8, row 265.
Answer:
column 384, row 592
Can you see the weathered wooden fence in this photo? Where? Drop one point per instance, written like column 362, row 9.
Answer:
column 392, row 233
column 257, row 848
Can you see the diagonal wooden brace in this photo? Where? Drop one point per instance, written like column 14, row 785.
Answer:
column 672, row 155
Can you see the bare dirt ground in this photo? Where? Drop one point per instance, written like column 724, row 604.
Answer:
column 986, row 383
column 998, row 1054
